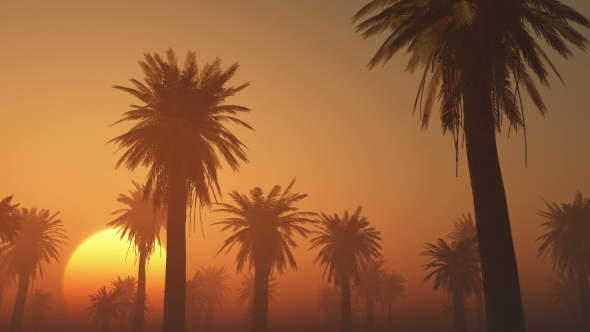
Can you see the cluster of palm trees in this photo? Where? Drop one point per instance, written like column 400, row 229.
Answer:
column 29, row 239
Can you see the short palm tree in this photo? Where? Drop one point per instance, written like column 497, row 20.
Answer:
column 127, row 299
column 565, row 293
column 9, row 221
column 38, row 243
column 455, row 270
column 196, row 301
column 329, row 304
column 217, row 288
column 393, row 288
column 464, row 228
column 371, row 288
column 39, row 305
column 140, row 222
column 264, row 227
column 474, row 50
column 179, row 133
column 567, row 239
column 345, row 243
column 105, row 307
column 247, row 294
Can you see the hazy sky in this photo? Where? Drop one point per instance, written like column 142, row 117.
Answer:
column 347, row 134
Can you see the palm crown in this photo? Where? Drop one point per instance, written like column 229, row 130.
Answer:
column 39, row 305
column 105, row 306
column 9, row 221
column 393, row 285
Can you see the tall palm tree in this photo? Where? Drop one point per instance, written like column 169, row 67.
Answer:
column 345, row 243
column 140, row 221
column 565, row 293
column 393, row 288
column 105, row 307
column 247, row 292
column 39, row 305
column 566, row 238
column 38, row 243
column 464, row 228
column 329, row 304
column 473, row 50
column 179, row 132
column 455, row 270
column 127, row 299
column 371, row 288
column 263, row 228
column 9, row 221
column 196, row 301
column 217, row 288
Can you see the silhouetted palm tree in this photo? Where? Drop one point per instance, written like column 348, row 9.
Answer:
column 196, row 301
column 127, row 298
column 140, row 222
column 393, row 288
column 371, row 288
column 38, row 243
column 247, row 292
column 345, row 243
column 456, row 270
column 448, row 312
column 473, row 50
column 40, row 304
column 10, row 223
column 105, row 307
column 329, row 304
column 565, row 293
column 217, row 288
column 263, row 228
column 464, row 228
column 567, row 239
column 179, row 133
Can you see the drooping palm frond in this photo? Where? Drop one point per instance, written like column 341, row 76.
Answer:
column 104, row 306
column 40, row 304
column 329, row 303
column 565, row 294
column 215, row 284
column 10, row 223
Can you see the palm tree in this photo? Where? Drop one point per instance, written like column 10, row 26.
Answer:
column 10, row 223
column 393, row 288
column 180, row 130
column 40, row 304
column 565, row 293
column 263, row 228
column 456, row 270
column 345, row 243
column 216, row 287
column 127, row 298
column 247, row 292
column 196, row 301
column 371, row 288
column 448, row 313
column 38, row 243
column 567, row 231
column 464, row 228
column 473, row 50
column 329, row 304
column 140, row 222
column 105, row 307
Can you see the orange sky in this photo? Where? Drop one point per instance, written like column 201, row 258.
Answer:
column 347, row 134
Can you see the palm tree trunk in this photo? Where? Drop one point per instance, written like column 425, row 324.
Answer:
column 498, row 261
column 175, row 284
column 346, row 318
column 459, row 312
column 16, row 324
column 479, row 310
column 390, row 315
column 584, row 288
column 370, row 314
column 260, row 303
column 105, row 325
column 209, row 318
column 140, row 297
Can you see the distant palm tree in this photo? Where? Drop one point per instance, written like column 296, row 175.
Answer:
column 10, row 222
column 393, row 288
column 474, row 50
column 140, row 222
column 127, row 298
column 217, row 288
column 105, row 307
column 456, row 270
column 565, row 293
column 39, row 305
column 464, row 228
column 247, row 294
column 264, row 227
column 179, row 134
column 329, row 304
column 196, row 301
column 566, row 238
column 345, row 243
column 448, row 313
column 38, row 243
column 372, row 288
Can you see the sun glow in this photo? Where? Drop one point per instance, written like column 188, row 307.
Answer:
column 99, row 260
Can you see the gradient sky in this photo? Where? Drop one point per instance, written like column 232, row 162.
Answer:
column 347, row 134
